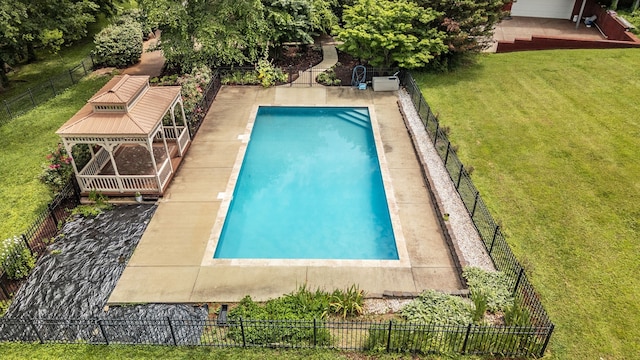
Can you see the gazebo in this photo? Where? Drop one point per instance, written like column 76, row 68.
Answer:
column 134, row 140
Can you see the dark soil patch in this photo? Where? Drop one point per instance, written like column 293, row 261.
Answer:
column 344, row 67
column 298, row 57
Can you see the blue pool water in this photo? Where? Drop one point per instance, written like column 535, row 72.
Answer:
column 310, row 187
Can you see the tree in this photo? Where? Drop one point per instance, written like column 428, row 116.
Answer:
column 468, row 23
column 388, row 33
column 209, row 32
column 11, row 18
column 26, row 25
column 289, row 20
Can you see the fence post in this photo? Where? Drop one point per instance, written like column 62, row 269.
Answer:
column 446, row 157
column 459, row 176
column 33, row 101
column 53, row 88
column 104, row 333
column 84, row 68
column 315, row 332
column 515, row 288
column 8, row 110
column 310, row 75
column 71, row 76
column 5, row 291
column 26, row 242
column 53, row 214
column 466, row 339
column 435, row 138
column 244, row 340
column 546, row 341
column 495, row 234
column 93, row 64
column 35, row 329
column 389, row 336
column 173, row 334
column 475, row 202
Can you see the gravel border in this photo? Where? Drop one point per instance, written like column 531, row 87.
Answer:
column 467, row 244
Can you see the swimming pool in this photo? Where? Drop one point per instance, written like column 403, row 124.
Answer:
column 310, row 187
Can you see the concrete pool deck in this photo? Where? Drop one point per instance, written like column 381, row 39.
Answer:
column 166, row 266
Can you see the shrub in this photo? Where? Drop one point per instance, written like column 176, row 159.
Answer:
column 241, row 77
column 17, row 260
column 136, row 16
column 58, row 169
column 348, row 302
column 434, row 307
column 329, row 78
column 302, row 304
column 494, row 285
column 268, row 74
column 92, row 210
column 119, row 45
column 4, row 306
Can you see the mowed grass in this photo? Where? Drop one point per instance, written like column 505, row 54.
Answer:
column 554, row 137
column 24, row 144
column 16, row 351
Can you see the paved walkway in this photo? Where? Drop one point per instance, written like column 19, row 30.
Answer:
column 329, row 58
column 151, row 62
column 170, row 263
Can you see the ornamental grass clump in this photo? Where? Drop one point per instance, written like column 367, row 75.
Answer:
column 16, row 260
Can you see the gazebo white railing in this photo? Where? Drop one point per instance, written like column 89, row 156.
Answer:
column 132, row 148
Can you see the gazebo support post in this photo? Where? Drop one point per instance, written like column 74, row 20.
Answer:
column 184, row 117
column 175, row 128
column 110, row 148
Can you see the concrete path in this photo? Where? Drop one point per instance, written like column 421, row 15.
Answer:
column 151, row 62
column 329, row 58
column 170, row 263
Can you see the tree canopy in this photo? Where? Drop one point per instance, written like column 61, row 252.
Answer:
column 232, row 32
column 390, row 33
column 26, row 25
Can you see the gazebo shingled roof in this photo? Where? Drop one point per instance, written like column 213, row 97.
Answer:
column 143, row 108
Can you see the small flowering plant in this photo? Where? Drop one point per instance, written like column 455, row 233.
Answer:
column 16, row 260
column 57, row 170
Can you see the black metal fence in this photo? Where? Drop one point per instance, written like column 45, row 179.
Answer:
column 36, row 237
column 197, row 114
column 489, row 230
column 38, row 94
column 294, row 77
column 384, row 336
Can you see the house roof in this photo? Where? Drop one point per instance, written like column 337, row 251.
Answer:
column 142, row 109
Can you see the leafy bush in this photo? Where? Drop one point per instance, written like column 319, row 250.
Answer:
column 494, row 285
column 99, row 205
column 16, row 258
column 4, row 306
column 136, row 16
column 329, row 78
column 300, row 305
column 348, row 302
column 241, row 77
column 119, row 45
column 58, row 169
column 408, row 339
column 434, row 307
column 268, row 74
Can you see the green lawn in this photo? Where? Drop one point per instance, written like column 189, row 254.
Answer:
column 24, row 143
column 51, row 65
column 118, row 352
column 554, row 137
